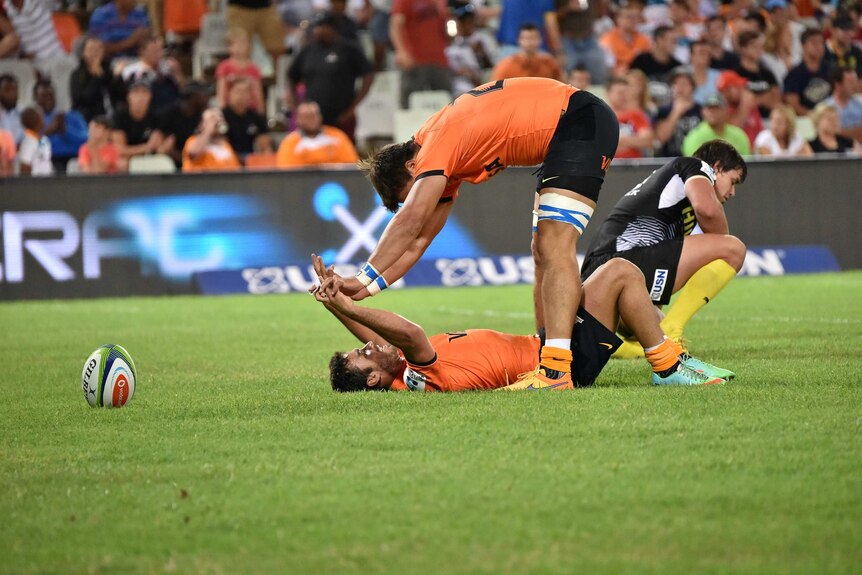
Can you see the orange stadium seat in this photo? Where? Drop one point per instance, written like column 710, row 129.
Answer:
column 68, row 29
column 184, row 17
column 260, row 161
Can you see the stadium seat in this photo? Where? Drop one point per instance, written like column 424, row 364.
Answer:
column 374, row 114
column 805, row 128
column 154, row 164
column 73, row 167
column 407, row 122
column 211, row 44
column 68, row 29
column 260, row 161
column 430, row 100
column 25, row 73
column 599, row 91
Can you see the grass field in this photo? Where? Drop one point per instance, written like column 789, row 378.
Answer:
column 235, row 457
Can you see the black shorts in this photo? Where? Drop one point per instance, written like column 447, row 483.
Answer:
column 582, row 147
column 658, row 263
column 592, row 346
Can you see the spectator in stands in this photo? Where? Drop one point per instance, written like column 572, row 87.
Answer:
column 829, row 140
column 9, row 39
column 99, row 155
column 515, row 13
column 135, row 128
column 781, row 139
column 761, row 82
column 688, row 27
column 379, row 28
column 580, row 78
column 92, row 81
column 258, row 17
column 121, row 25
column 675, row 121
column 35, row 28
column 781, row 49
column 34, row 154
column 842, row 52
column 163, row 74
column 715, row 127
column 741, row 104
column 180, row 120
column 66, row 130
column 636, row 133
column 247, row 131
column 418, row 32
column 807, row 84
column 580, row 45
column 640, row 92
column 705, row 77
column 209, row 149
column 624, row 42
column 239, row 65
column 530, row 61
column 658, row 61
column 8, row 151
column 844, row 98
column 715, row 36
column 329, row 67
column 470, row 53
column 312, row 143
column 10, row 114
column 345, row 25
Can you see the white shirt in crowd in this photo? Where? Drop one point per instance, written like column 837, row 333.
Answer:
column 766, row 139
column 35, row 151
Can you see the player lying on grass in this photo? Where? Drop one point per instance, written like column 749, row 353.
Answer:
column 652, row 225
column 514, row 122
column 398, row 355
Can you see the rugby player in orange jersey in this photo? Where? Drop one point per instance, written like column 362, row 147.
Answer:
column 398, row 355
column 514, row 122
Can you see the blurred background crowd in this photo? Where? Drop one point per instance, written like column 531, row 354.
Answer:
column 157, row 86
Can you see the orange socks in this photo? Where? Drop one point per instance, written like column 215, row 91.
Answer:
column 557, row 359
column 663, row 356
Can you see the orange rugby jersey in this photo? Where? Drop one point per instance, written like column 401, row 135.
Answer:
column 472, row 359
column 500, row 124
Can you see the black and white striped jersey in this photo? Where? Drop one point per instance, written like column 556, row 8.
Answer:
column 655, row 210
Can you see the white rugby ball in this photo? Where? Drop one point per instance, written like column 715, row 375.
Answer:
column 109, row 377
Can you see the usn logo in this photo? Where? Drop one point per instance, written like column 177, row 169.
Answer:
column 659, row 282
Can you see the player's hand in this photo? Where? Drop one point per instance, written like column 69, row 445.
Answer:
column 360, row 295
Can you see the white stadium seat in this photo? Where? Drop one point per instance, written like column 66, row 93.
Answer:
column 431, row 100
column 25, row 74
column 154, row 164
column 374, row 115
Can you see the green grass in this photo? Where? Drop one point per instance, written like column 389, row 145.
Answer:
column 234, row 456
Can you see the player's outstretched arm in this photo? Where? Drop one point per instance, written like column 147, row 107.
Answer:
column 400, row 332
column 401, row 232
column 708, row 210
column 432, row 227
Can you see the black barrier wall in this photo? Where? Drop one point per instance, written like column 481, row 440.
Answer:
column 97, row 236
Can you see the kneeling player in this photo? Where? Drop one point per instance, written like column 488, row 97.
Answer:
column 399, row 355
column 651, row 226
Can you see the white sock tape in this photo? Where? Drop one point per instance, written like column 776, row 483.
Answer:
column 559, row 208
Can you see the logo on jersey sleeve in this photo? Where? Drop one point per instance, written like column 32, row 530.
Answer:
column 689, row 220
column 707, row 171
column 414, row 380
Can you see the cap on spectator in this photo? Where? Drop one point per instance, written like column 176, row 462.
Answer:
column 680, row 71
column 196, row 87
column 140, row 82
column 325, row 19
column 844, row 22
column 729, row 78
column 714, row 100
column 771, row 5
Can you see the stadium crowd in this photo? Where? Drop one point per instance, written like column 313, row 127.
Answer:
column 99, row 87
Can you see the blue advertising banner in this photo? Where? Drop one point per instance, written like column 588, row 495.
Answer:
column 485, row 270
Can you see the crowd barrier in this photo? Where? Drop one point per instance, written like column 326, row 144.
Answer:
column 125, row 235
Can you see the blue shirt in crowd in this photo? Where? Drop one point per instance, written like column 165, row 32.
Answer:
column 519, row 12
column 105, row 23
column 66, row 145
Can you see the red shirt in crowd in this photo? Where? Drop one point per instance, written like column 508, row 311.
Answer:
column 424, row 29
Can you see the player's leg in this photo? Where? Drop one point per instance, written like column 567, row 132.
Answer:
column 706, row 265
column 538, row 311
column 616, row 291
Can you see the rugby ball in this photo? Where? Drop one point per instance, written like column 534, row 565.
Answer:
column 109, row 377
